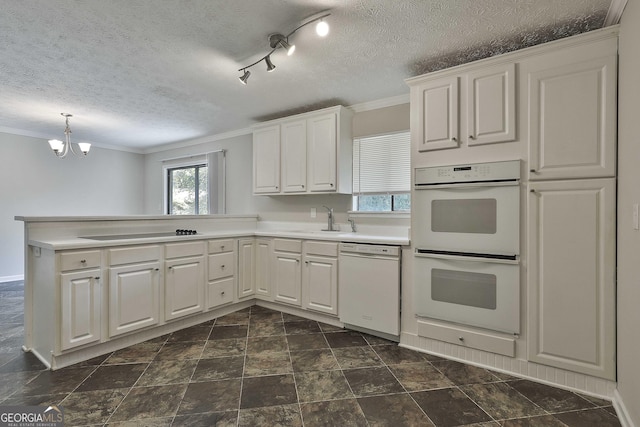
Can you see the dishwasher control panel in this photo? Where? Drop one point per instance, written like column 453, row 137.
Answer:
column 363, row 248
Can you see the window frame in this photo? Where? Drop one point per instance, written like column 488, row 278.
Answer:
column 169, row 186
column 392, row 195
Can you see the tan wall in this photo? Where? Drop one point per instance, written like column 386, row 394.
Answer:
column 628, row 194
column 380, row 121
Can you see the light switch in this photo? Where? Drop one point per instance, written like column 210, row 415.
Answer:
column 314, row 213
column 636, row 226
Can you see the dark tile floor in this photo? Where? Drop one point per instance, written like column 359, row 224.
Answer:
column 259, row 367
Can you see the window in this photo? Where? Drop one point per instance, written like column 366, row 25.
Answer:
column 188, row 190
column 195, row 185
column 382, row 173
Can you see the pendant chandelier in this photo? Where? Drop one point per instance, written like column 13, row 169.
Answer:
column 61, row 149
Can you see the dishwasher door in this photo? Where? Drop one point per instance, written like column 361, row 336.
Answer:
column 369, row 293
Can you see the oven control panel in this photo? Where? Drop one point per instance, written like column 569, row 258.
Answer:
column 473, row 172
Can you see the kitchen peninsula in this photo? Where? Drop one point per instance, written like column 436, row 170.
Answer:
column 98, row 284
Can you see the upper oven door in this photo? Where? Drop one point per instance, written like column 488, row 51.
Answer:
column 469, row 219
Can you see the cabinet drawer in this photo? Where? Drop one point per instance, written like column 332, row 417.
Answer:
column 221, row 265
column 218, row 246
column 134, row 254
column 79, row 260
column 287, row 245
column 321, row 248
column 176, row 250
column 220, row 292
column 467, row 338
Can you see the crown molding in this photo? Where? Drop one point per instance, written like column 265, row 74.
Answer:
column 197, row 141
column 380, row 103
column 615, row 12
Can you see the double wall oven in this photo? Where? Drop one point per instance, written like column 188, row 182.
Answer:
column 466, row 235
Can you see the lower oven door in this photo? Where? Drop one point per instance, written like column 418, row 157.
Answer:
column 475, row 292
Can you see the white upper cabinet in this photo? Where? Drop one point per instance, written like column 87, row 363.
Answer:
column 306, row 153
column 572, row 118
column 491, row 105
column 474, row 107
column 266, row 160
column 294, row 156
column 322, row 153
column 436, row 107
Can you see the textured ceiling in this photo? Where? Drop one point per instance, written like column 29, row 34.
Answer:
column 142, row 73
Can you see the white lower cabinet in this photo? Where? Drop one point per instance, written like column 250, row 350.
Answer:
column 80, row 308
column 571, row 275
column 287, row 272
column 246, row 268
column 134, row 292
column 222, row 273
column 263, row 268
column 320, row 277
column 184, row 279
column 183, row 287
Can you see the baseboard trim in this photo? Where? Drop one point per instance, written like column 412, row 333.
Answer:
column 621, row 410
column 5, row 279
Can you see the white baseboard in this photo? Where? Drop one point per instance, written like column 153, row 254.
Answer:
column 556, row 377
column 621, row 410
column 4, row 279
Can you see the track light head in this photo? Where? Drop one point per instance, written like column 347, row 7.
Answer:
column 270, row 66
column 278, row 40
column 243, row 78
column 322, row 28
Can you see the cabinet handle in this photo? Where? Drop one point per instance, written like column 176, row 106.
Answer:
column 222, row 266
column 533, row 171
column 222, row 293
column 472, row 137
column 170, row 267
column 97, row 278
column 532, row 191
column 83, row 261
column 461, row 339
column 222, row 248
column 298, row 261
column 302, row 185
column 454, row 139
column 306, row 262
column 157, row 269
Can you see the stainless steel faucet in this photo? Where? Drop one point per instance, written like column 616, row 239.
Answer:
column 353, row 224
column 330, row 225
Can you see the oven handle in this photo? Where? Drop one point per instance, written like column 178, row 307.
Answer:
column 450, row 257
column 469, row 185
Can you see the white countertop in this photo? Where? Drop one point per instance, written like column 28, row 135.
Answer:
column 66, row 243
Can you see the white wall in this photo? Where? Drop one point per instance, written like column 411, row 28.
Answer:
column 33, row 182
column 238, row 173
column 628, row 194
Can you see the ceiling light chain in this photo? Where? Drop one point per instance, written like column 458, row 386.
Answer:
column 278, row 40
column 61, row 149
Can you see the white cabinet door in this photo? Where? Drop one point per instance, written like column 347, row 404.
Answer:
column 80, row 308
column 572, row 120
column 491, row 105
column 434, row 105
column 184, row 287
column 321, row 155
column 263, row 268
column 287, row 278
column 320, row 284
column 294, row 156
column 571, row 275
column 133, row 297
column 266, row 160
column 246, row 268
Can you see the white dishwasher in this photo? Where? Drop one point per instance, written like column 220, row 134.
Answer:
column 369, row 289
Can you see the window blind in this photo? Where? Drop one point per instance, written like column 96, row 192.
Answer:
column 382, row 164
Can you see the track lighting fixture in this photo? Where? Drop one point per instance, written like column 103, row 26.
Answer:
column 278, row 41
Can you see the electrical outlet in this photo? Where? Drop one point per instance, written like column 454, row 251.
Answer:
column 314, row 212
